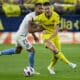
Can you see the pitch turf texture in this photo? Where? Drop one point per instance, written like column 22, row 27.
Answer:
column 11, row 66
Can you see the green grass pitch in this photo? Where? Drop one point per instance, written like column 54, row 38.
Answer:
column 11, row 66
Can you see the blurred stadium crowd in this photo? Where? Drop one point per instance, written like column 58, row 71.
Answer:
column 25, row 6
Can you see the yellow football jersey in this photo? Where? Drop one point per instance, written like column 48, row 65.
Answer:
column 48, row 23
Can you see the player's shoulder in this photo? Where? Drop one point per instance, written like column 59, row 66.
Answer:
column 30, row 14
column 40, row 16
column 55, row 13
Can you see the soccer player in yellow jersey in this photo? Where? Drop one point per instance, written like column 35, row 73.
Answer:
column 49, row 20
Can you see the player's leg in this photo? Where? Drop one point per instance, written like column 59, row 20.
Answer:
column 27, row 45
column 54, row 60
column 58, row 45
column 52, row 64
column 8, row 51
column 31, row 56
column 59, row 54
column 11, row 51
column 31, row 59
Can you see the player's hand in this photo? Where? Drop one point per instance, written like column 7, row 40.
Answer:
column 40, row 28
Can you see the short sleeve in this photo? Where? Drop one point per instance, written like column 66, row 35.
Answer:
column 57, row 19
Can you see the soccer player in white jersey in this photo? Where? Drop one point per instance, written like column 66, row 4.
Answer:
column 20, row 37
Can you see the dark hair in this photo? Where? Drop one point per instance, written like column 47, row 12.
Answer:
column 36, row 4
column 46, row 4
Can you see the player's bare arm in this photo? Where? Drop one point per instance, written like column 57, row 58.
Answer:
column 34, row 26
column 35, row 37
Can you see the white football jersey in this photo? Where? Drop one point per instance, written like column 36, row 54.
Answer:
column 23, row 28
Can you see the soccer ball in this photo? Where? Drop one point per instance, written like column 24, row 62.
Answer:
column 28, row 71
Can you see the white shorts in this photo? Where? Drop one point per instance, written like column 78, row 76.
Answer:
column 23, row 42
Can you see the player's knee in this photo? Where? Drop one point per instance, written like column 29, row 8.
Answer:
column 18, row 50
column 55, row 51
column 31, row 50
column 55, row 56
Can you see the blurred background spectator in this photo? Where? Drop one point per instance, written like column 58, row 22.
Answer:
column 61, row 6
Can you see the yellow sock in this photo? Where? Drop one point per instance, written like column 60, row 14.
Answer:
column 61, row 56
column 53, row 62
